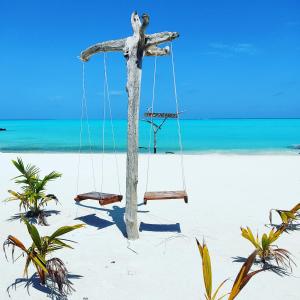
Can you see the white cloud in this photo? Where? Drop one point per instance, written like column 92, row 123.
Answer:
column 232, row 49
column 117, row 93
column 114, row 93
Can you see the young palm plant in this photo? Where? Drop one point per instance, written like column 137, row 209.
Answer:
column 38, row 253
column 33, row 197
column 265, row 248
column 288, row 217
column 241, row 280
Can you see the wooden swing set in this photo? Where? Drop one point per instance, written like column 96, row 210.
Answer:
column 134, row 49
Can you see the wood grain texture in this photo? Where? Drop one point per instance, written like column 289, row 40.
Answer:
column 103, row 198
column 134, row 49
column 165, row 195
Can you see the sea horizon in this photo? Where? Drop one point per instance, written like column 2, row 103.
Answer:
column 215, row 135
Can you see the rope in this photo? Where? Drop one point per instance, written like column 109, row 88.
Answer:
column 178, row 122
column 103, row 130
column 84, row 111
column 151, row 127
column 80, row 135
column 111, row 123
column 88, row 129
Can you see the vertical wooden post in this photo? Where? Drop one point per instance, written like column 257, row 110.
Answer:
column 154, row 142
column 134, row 55
column 134, row 48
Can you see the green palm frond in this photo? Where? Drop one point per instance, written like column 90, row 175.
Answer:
column 32, row 196
column 40, row 249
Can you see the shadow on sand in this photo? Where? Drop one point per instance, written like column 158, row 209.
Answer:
column 33, row 220
column 116, row 213
column 160, row 227
column 93, row 220
column 290, row 228
column 280, row 271
column 34, row 282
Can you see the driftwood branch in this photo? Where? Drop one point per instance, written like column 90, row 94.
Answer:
column 109, row 46
column 134, row 48
column 161, row 37
column 149, row 40
column 156, row 51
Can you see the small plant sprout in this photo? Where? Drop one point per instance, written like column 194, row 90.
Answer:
column 288, row 217
column 207, row 273
column 53, row 269
column 33, row 197
column 244, row 276
column 241, row 280
column 266, row 251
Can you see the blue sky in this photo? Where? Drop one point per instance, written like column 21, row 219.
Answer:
column 234, row 58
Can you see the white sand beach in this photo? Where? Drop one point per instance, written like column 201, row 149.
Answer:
column 225, row 192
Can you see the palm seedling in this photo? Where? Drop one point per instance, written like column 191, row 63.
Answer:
column 33, row 196
column 241, row 280
column 265, row 248
column 288, row 217
column 42, row 246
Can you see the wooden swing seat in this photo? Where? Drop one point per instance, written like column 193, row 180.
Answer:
column 165, row 195
column 103, row 198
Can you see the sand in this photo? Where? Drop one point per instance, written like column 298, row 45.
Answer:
column 225, row 192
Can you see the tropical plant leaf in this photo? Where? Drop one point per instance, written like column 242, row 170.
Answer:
column 247, row 234
column 33, row 233
column 295, row 208
column 241, row 279
column 265, row 241
column 63, row 230
column 207, row 273
column 217, row 291
column 17, row 243
column 35, row 257
column 60, row 243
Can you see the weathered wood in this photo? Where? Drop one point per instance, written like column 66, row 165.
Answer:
column 165, row 195
column 134, row 56
column 103, row 198
column 155, row 128
column 161, row 37
column 161, row 115
column 109, row 46
column 151, row 40
column 156, row 51
column 134, row 48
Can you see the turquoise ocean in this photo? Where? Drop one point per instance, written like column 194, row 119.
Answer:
column 214, row 135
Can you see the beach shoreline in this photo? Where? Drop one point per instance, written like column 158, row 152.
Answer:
column 225, row 192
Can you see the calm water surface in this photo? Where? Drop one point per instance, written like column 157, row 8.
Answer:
column 222, row 135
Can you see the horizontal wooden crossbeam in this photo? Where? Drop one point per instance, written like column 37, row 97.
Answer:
column 161, row 115
column 151, row 40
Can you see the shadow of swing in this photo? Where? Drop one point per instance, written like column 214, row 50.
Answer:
column 93, row 220
column 116, row 213
column 160, row 227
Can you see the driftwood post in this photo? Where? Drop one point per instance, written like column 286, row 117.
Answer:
column 156, row 127
column 134, row 48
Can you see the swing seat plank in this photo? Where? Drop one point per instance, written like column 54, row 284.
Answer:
column 165, row 195
column 103, row 198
